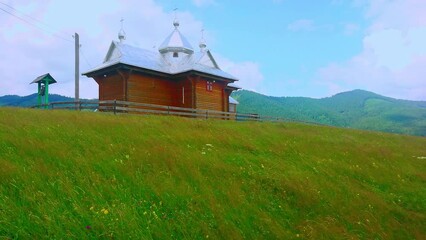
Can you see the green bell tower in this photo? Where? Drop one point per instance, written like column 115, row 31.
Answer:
column 43, row 83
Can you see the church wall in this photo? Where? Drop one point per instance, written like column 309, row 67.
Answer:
column 111, row 88
column 227, row 94
column 210, row 99
column 152, row 90
column 186, row 92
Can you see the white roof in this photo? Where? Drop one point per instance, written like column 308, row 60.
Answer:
column 233, row 101
column 233, row 85
column 174, row 56
column 176, row 42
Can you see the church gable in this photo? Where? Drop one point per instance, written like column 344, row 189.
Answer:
column 208, row 60
column 113, row 53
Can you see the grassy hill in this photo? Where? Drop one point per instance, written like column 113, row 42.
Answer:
column 83, row 175
column 356, row 109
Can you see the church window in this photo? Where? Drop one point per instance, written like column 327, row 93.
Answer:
column 209, row 86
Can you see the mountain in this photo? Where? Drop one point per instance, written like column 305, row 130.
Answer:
column 30, row 100
column 355, row 109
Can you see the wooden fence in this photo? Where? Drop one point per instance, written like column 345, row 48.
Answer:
column 121, row 107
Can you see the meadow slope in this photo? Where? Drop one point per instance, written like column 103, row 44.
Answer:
column 86, row 175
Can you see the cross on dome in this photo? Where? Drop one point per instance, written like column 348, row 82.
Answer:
column 203, row 44
column 122, row 33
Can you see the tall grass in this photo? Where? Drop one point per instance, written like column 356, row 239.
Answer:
column 92, row 175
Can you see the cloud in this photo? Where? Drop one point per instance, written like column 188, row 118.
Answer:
column 351, row 28
column 248, row 73
column 399, row 14
column 308, row 25
column 28, row 51
column 202, row 3
column 32, row 50
column 301, row 25
column 393, row 58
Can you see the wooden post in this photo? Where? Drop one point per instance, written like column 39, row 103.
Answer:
column 46, row 93
column 39, row 96
column 77, row 67
column 115, row 106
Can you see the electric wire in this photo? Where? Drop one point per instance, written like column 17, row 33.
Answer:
column 41, row 28
column 35, row 19
column 35, row 25
column 84, row 57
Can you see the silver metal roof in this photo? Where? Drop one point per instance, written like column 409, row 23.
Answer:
column 174, row 56
column 233, row 101
column 202, row 62
column 176, row 42
column 233, row 85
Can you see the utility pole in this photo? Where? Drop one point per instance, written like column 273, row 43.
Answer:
column 77, row 67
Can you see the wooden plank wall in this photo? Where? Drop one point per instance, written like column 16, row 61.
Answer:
column 111, row 88
column 227, row 94
column 188, row 96
column 163, row 91
column 211, row 100
column 152, row 90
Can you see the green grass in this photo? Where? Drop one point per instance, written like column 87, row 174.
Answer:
column 150, row 177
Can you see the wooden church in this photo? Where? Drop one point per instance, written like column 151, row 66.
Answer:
column 175, row 75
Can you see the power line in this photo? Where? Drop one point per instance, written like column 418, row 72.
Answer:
column 34, row 25
column 84, row 57
column 35, row 19
column 31, row 21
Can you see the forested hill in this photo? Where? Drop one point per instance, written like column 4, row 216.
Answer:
column 30, row 100
column 356, row 109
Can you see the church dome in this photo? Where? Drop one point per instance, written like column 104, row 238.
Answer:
column 176, row 42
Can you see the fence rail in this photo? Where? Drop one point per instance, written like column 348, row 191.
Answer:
column 120, row 107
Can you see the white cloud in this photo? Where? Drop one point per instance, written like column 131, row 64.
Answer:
column 249, row 73
column 301, row 25
column 351, row 28
column 202, row 3
column 31, row 50
column 28, row 52
column 393, row 58
column 308, row 25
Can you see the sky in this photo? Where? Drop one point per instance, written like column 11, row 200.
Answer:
column 274, row 47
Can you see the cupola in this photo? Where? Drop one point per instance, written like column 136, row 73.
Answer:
column 176, row 43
